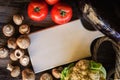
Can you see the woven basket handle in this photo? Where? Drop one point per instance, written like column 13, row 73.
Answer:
column 116, row 48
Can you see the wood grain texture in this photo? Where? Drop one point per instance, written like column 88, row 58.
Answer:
column 10, row 7
column 7, row 9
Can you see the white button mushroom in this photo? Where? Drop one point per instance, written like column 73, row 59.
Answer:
column 56, row 72
column 19, row 53
column 12, row 43
column 24, row 29
column 83, row 64
column 18, row 19
column 23, row 41
column 8, row 30
column 13, row 57
column 24, row 60
column 46, row 76
column 94, row 75
column 15, row 71
column 3, row 52
column 28, row 74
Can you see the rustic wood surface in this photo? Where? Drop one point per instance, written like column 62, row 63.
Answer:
column 10, row 7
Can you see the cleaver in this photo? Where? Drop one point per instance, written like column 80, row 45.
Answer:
column 60, row 45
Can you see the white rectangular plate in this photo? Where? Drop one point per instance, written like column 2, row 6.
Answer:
column 60, row 45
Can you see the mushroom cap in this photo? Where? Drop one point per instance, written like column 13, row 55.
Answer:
column 24, row 29
column 3, row 52
column 19, row 53
column 18, row 19
column 46, row 76
column 23, row 41
column 56, row 73
column 12, row 43
column 8, row 30
column 24, row 60
column 15, row 72
column 82, row 64
column 13, row 57
column 28, row 74
column 94, row 75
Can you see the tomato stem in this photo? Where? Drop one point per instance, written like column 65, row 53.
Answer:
column 36, row 9
column 62, row 12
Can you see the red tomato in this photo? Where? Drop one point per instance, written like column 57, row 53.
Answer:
column 61, row 13
column 52, row 2
column 37, row 11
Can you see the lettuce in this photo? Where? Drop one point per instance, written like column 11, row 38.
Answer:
column 66, row 72
column 94, row 66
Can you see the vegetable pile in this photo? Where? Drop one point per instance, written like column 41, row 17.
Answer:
column 16, row 45
column 84, row 70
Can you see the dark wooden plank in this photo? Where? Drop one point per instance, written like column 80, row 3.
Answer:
column 10, row 7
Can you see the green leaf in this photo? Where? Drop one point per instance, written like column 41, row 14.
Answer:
column 103, row 71
column 95, row 66
column 98, row 67
column 66, row 71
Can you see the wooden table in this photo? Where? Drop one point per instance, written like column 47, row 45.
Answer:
column 10, row 7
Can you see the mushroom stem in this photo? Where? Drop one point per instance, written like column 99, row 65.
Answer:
column 19, row 53
column 10, row 67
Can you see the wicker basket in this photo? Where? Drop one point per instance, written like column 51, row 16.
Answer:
column 116, row 71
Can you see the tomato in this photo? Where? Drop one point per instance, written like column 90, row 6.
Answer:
column 52, row 2
column 61, row 13
column 37, row 11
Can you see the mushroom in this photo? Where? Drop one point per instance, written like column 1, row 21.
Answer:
column 23, row 41
column 24, row 29
column 13, row 57
column 94, row 75
column 24, row 60
column 18, row 19
column 46, row 76
column 8, row 30
column 83, row 64
column 3, row 52
column 19, row 53
column 15, row 70
column 12, row 43
column 56, row 72
column 28, row 74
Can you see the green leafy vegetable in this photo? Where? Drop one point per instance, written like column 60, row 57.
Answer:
column 94, row 66
column 103, row 71
column 66, row 72
column 93, row 71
